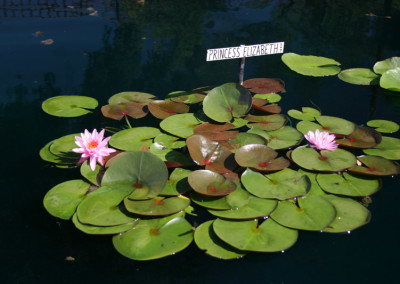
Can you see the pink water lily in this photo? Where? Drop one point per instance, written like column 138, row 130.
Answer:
column 92, row 145
column 321, row 140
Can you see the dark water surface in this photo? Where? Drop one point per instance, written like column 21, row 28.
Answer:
column 159, row 47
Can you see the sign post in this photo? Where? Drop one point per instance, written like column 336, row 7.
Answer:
column 244, row 51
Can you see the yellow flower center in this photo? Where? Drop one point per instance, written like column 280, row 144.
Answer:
column 92, row 144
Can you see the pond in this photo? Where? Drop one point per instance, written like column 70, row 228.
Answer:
column 100, row 48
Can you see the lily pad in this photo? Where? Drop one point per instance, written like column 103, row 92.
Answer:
column 48, row 156
column 313, row 213
column 133, row 139
column 163, row 109
column 206, row 239
column 389, row 148
column 137, row 97
column 306, row 113
column 350, row 214
column 349, row 184
column 391, row 80
column 169, row 141
column 69, row 106
column 158, row 206
column 141, row 171
column 282, row 138
column 359, row 76
column 62, row 147
column 180, row 125
column 376, row 166
column 384, row 126
column 260, row 158
column 310, row 65
column 170, row 155
column 324, row 160
column 177, row 183
column 361, row 137
column 61, row 201
column 250, row 236
column 381, row 67
column 118, row 111
column 216, row 132
column 260, row 104
column 336, row 125
column 210, row 202
column 281, row 185
column 101, row 230
column 264, row 85
column 101, row 207
column 315, row 188
column 266, row 122
column 304, row 126
column 90, row 175
column 272, row 97
column 189, row 97
column 210, row 183
column 205, row 151
column 226, row 102
column 246, row 139
column 156, row 238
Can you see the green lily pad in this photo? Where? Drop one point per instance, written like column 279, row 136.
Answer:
column 205, row 151
column 324, row 160
column 244, row 206
column 239, row 122
column 361, row 137
column 266, row 122
column 250, row 236
column 226, row 102
column 62, row 147
column 189, row 97
column 133, row 139
column 100, row 230
column 163, row 109
column 281, row 185
column 336, row 125
column 349, row 184
column 282, row 138
column 389, row 148
column 169, row 141
column 359, row 76
column 61, row 201
column 158, row 206
column 350, row 214
column 101, row 207
column 260, row 158
column 381, row 67
column 376, row 166
column 118, row 111
column 137, row 97
column 304, row 126
column 171, row 155
column 313, row 213
column 210, row 183
column 306, row 113
column 210, row 202
column 90, row 175
column 384, row 126
column 206, row 239
column 180, row 125
column 216, row 132
column 177, row 183
column 244, row 139
column 48, row 156
column 310, row 65
column 315, row 188
column 140, row 171
column 391, row 80
column 69, row 106
column 264, row 85
column 272, row 97
column 156, row 238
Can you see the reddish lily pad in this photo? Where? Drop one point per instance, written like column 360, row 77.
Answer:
column 263, row 105
column 210, row 183
column 163, row 109
column 361, row 137
column 313, row 213
column 137, row 97
column 260, row 158
column 281, row 185
column 158, row 206
column 266, row 122
column 349, row 184
column 226, row 102
column 251, row 236
column 180, row 125
column 177, row 183
column 146, row 174
column 118, row 111
column 205, row 151
column 324, row 160
column 133, row 139
column 216, row 132
column 264, row 85
column 376, row 166
column 389, row 148
column 155, row 238
column 207, row 240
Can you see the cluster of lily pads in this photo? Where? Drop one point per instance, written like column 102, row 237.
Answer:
column 223, row 158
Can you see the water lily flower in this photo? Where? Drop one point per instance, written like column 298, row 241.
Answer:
column 92, row 145
column 321, row 140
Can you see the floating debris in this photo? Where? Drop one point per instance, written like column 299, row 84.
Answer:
column 70, row 258
column 47, row 41
column 37, row 34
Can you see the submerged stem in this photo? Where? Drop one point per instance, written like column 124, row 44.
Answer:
column 127, row 121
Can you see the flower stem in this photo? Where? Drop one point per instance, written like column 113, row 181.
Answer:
column 127, row 121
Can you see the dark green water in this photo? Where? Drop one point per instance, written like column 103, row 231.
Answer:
column 159, row 47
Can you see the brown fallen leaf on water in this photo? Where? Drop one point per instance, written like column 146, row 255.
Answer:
column 47, row 41
column 70, row 258
column 37, row 34
column 95, row 13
